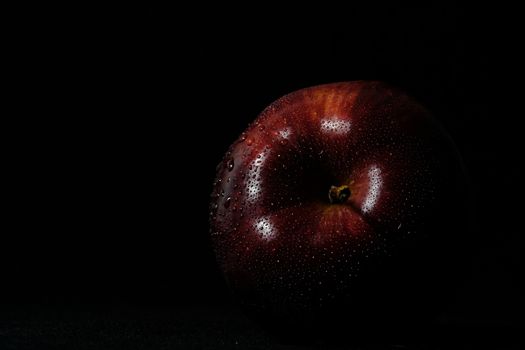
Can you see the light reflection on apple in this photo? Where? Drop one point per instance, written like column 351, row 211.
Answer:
column 335, row 125
column 375, row 183
column 265, row 228
column 253, row 178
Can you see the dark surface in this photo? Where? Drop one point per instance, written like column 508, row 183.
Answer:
column 130, row 328
column 122, row 115
column 201, row 328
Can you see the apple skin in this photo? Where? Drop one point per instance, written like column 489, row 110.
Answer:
column 383, row 260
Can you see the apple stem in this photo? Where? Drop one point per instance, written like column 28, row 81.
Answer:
column 339, row 194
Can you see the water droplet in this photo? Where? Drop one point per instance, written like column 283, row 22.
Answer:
column 249, row 142
column 261, row 127
column 230, row 164
column 227, row 202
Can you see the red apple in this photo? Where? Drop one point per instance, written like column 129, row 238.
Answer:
column 340, row 208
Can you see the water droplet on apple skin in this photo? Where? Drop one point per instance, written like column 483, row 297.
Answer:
column 230, row 164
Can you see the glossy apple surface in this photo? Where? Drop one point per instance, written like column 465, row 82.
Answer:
column 342, row 207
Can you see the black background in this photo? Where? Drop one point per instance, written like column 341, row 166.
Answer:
column 132, row 109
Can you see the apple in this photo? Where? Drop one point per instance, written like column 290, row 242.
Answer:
column 341, row 210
